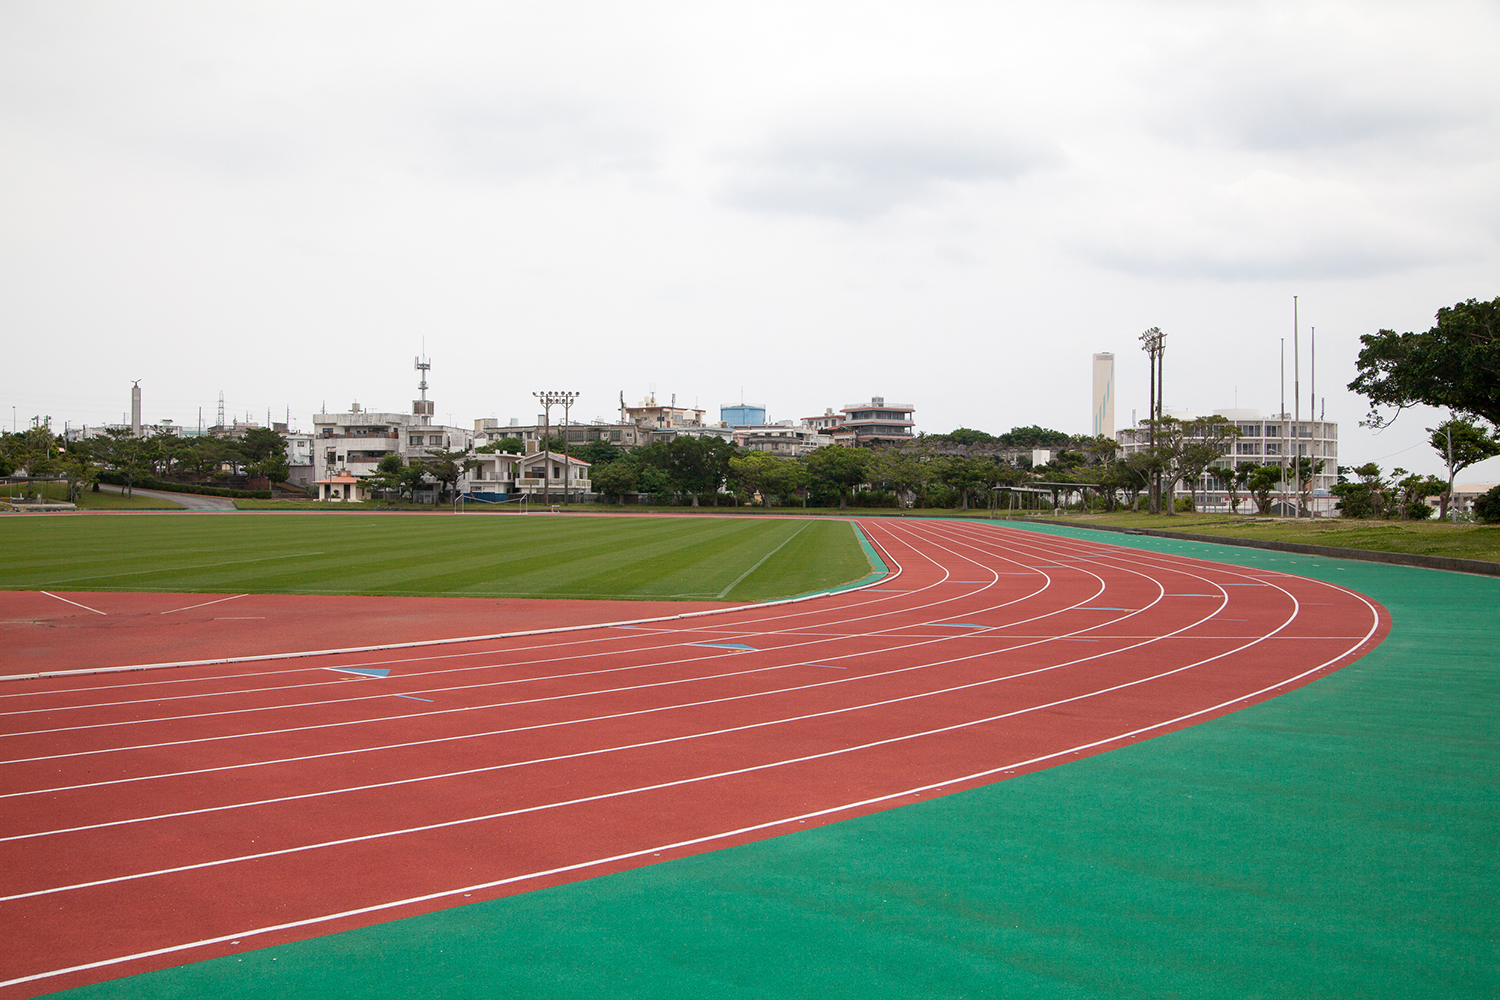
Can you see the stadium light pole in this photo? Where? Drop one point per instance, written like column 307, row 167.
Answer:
column 1152, row 344
column 549, row 400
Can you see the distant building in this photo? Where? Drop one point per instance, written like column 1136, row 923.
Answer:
column 1104, row 395
column 1273, row 440
column 742, row 415
column 875, row 422
column 538, row 473
column 651, row 414
column 786, row 438
column 357, row 440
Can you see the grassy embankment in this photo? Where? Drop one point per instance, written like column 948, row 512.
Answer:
column 639, row 559
column 89, row 500
column 1433, row 538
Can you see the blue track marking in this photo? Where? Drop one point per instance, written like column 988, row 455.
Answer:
column 1108, row 609
column 362, row 671
column 826, row 666
column 414, row 697
column 959, row 625
column 727, row 645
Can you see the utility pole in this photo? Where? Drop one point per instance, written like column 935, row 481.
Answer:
column 1152, row 342
column 548, row 400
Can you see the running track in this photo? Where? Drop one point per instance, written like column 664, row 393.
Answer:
column 155, row 818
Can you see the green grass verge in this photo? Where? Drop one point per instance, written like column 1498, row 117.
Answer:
column 541, row 556
column 1434, row 538
column 1336, row 842
column 103, row 500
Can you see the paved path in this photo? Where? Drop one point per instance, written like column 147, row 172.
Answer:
column 190, row 501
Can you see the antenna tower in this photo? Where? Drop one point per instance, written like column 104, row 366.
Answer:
column 221, row 407
column 423, row 407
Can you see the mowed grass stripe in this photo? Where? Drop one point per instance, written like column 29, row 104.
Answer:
column 475, row 556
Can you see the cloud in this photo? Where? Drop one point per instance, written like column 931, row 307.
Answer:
column 857, row 173
column 506, row 137
column 1271, row 225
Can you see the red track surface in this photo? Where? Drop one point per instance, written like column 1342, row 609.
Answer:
column 151, row 819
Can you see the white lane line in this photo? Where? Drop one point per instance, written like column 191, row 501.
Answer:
column 695, row 780
column 437, row 642
column 205, row 604
column 74, row 603
column 737, row 580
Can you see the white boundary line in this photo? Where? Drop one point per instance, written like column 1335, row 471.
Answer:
column 66, row 601
column 203, row 605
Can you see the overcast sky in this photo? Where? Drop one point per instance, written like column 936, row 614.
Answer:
column 804, row 204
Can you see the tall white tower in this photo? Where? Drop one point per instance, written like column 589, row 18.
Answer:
column 135, row 409
column 1104, row 395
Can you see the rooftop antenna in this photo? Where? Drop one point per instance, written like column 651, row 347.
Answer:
column 423, row 407
column 221, row 407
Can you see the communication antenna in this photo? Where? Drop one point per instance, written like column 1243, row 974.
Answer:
column 221, row 407
column 423, row 407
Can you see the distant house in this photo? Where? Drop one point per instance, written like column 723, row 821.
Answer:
column 342, row 488
column 501, row 476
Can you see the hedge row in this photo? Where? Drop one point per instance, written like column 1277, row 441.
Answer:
column 161, row 484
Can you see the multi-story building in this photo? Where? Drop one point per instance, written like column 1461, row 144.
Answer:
column 875, row 422
column 356, row 441
column 1272, row 440
column 825, row 423
column 786, row 438
column 653, row 415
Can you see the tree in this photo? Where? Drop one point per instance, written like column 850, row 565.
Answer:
column 766, row 474
column 838, row 467
column 447, row 468
column 904, row 472
column 1261, row 481
column 599, row 452
column 1203, row 442
column 1412, row 491
column 1461, row 443
column 1455, row 365
column 1301, row 471
column 614, row 479
column 122, row 452
column 265, row 454
column 697, row 464
column 1235, row 480
column 1035, row 437
column 505, row 446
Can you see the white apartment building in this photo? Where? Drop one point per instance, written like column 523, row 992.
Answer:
column 357, row 440
column 1268, row 440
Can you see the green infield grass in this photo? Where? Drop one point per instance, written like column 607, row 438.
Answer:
column 645, row 558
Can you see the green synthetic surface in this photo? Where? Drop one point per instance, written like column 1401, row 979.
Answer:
column 1339, row 841
column 640, row 558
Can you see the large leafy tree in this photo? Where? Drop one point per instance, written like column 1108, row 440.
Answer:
column 265, row 454
column 839, row 468
column 1455, row 365
column 448, row 467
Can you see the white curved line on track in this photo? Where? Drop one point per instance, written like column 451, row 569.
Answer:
column 696, row 841
column 595, row 691
column 741, row 728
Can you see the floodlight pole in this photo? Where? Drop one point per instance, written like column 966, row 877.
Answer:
column 1152, row 344
column 548, row 400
